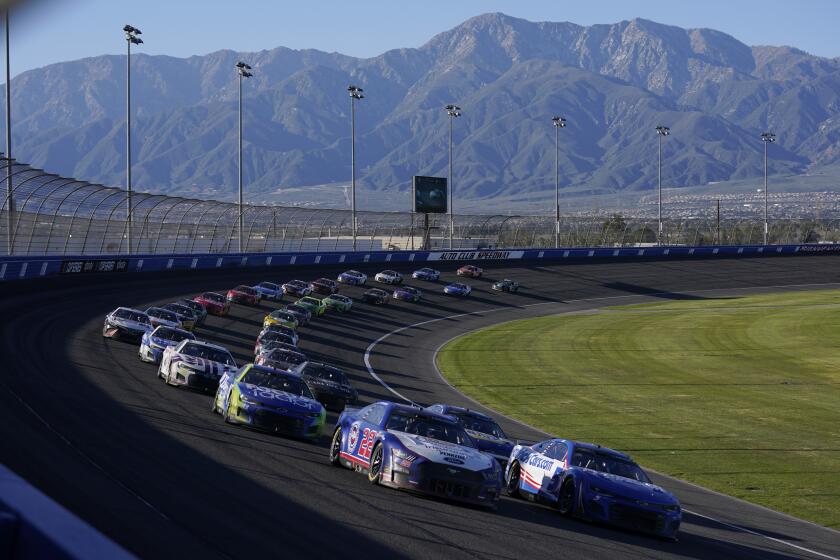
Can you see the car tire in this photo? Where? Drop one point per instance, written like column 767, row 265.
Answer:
column 375, row 468
column 566, row 499
column 512, row 482
column 335, row 448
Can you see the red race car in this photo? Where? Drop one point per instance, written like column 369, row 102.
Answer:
column 470, row 271
column 214, row 303
column 324, row 286
column 244, row 294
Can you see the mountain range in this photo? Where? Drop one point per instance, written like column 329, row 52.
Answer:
column 613, row 83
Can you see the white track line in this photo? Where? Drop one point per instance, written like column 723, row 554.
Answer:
column 393, row 391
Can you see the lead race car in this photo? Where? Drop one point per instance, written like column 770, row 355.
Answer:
column 126, row 323
column 406, row 447
column 269, row 400
column 195, row 364
column 592, row 482
column 485, row 432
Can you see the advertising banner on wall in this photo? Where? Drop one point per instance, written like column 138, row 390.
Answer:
column 475, row 255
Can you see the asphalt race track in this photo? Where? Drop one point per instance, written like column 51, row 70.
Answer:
column 149, row 465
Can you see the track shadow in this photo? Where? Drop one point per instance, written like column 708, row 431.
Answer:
column 653, row 292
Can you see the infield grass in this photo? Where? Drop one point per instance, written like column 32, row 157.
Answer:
column 738, row 395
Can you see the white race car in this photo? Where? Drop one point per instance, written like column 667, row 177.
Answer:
column 389, row 277
column 126, row 323
column 195, row 364
column 163, row 317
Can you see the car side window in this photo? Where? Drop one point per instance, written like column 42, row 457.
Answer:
column 436, row 408
column 376, row 415
column 365, row 412
column 557, row 451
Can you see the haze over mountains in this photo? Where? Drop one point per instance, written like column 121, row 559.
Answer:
column 614, row 84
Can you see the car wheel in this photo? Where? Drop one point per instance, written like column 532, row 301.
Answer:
column 566, row 500
column 335, row 448
column 514, row 475
column 375, row 469
column 160, row 370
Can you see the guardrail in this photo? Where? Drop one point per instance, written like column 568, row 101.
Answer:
column 33, row 526
column 21, row 268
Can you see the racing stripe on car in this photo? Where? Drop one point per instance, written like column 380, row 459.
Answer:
column 354, row 459
column 529, row 480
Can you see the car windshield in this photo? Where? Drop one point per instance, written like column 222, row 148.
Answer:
column 281, row 315
column 174, row 335
column 389, row 273
column 324, row 281
column 428, row 426
column 311, row 300
column 329, row 373
column 342, row 299
column 267, row 285
column 457, row 286
column 162, row 314
column 179, row 309
column 246, row 290
column 273, row 380
column 353, row 273
column 287, row 356
column 210, row 296
column 427, row 270
column 208, row 353
column 479, row 424
column 271, row 336
column 194, row 305
column 410, row 290
column 130, row 315
column 298, row 308
column 605, row 462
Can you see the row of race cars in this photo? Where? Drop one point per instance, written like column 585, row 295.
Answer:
column 441, row 450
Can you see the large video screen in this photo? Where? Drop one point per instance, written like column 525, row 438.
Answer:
column 429, row 195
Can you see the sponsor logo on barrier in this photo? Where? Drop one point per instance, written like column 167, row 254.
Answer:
column 819, row 248
column 475, row 255
column 79, row 267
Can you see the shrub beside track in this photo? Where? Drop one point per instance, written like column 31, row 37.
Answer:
column 739, row 395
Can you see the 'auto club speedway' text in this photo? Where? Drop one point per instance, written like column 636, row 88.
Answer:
column 475, row 255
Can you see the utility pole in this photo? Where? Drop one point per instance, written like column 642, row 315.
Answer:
column 767, row 138
column 559, row 122
column 660, row 132
column 355, row 94
column 10, row 207
column 453, row 111
column 131, row 38
column 242, row 70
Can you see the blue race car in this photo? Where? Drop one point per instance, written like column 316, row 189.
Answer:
column 485, row 432
column 352, row 277
column 270, row 400
column 457, row 289
column 429, row 274
column 154, row 343
column 270, row 290
column 592, row 482
column 407, row 293
column 406, row 447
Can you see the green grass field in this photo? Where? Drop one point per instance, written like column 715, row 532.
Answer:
column 739, row 395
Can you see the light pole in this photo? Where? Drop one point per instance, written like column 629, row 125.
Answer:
column 10, row 208
column 559, row 122
column 453, row 111
column 243, row 70
column 131, row 38
column 766, row 137
column 660, row 132
column 355, row 94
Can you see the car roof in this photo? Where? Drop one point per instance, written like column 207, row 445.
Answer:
column 208, row 345
column 269, row 370
column 594, row 447
column 129, row 309
column 409, row 409
column 449, row 408
column 176, row 329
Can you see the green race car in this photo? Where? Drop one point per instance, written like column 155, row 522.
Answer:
column 338, row 303
column 315, row 306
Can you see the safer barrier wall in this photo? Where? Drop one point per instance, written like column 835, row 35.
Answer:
column 22, row 268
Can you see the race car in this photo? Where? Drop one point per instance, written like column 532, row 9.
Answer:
column 593, row 482
column 301, row 313
column 329, row 384
column 214, row 303
column 195, row 364
column 429, row 274
column 198, row 310
column 271, row 337
column 243, row 294
column 271, row 345
column 376, row 296
column 407, row 293
column 184, row 313
column 324, row 286
column 406, row 447
column 270, row 291
column 159, row 316
column 282, row 329
column 269, row 400
column 338, row 303
column 457, row 289
column 389, row 277
column 284, row 359
column 485, row 432
column 315, row 306
column 297, row 288
column 470, row 271
column 126, row 323
column 506, row 285
column 281, row 317
column 352, row 277
column 155, row 342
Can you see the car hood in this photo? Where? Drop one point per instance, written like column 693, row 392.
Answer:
column 629, row 488
column 327, row 385
column 276, row 398
column 203, row 365
column 491, row 443
column 445, row 453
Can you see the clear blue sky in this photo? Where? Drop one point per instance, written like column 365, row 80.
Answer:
column 48, row 31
